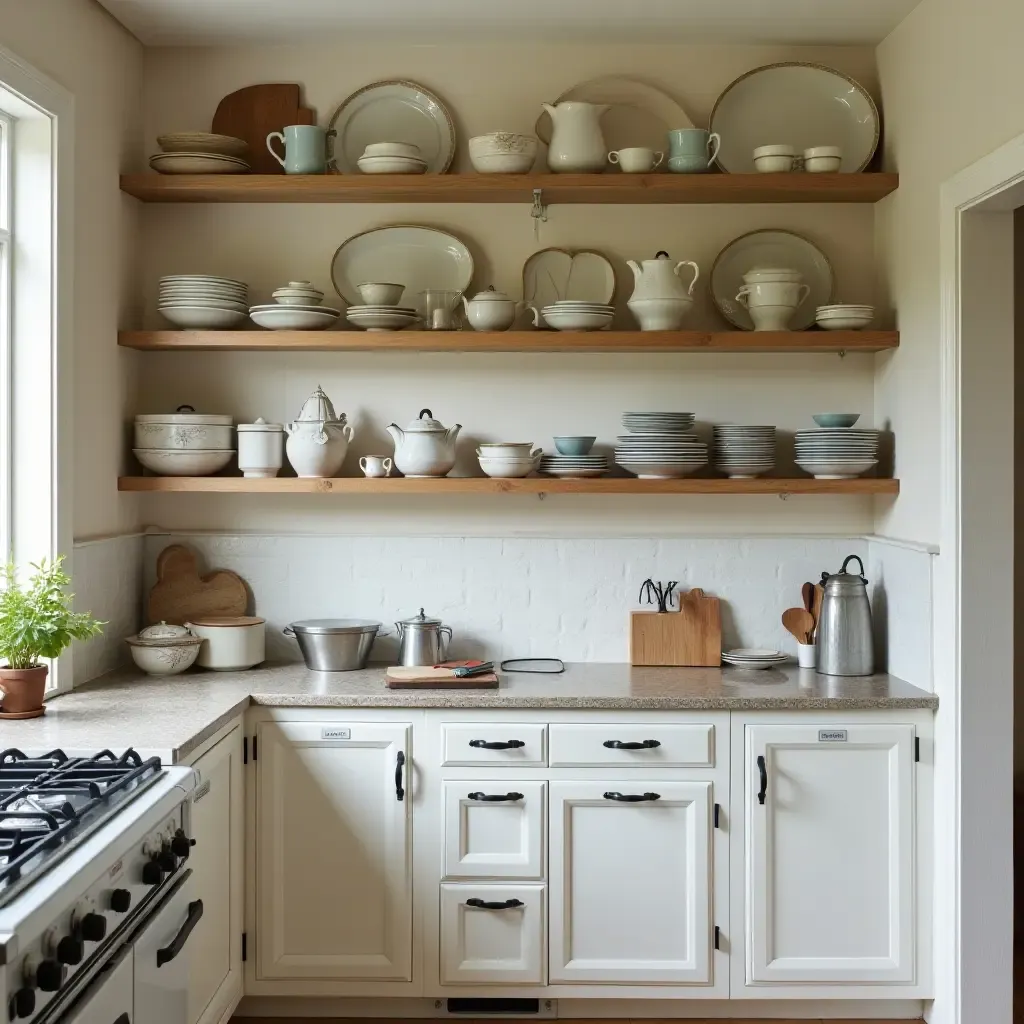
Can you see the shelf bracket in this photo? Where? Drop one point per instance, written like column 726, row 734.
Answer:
column 539, row 212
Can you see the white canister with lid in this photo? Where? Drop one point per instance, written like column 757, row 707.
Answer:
column 184, row 430
column 260, row 448
column 230, row 642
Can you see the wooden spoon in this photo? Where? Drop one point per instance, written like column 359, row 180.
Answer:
column 807, row 594
column 819, row 594
column 800, row 622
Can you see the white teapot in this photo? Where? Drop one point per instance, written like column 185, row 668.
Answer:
column 426, row 447
column 491, row 310
column 660, row 301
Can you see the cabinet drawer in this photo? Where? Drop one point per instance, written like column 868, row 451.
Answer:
column 638, row 746
column 492, row 934
column 493, row 743
column 494, row 829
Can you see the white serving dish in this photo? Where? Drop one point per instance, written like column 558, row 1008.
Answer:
column 660, row 470
column 553, row 275
column 845, row 469
column 203, row 142
column 505, row 449
column 574, row 320
column 184, row 462
column 391, row 165
column 384, row 320
column 503, row 153
column 292, row 318
column 196, row 163
column 190, row 431
column 230, row 643
column 202, row 318
column 508, row 468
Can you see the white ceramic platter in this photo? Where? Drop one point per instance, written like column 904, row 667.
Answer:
column 796, row 104
column 553, row 275
column 640, row 115
column 394, row 111
column 419, row 258
column 770, row 248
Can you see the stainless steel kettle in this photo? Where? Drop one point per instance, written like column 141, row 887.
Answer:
column 845, row 638
column 422, row 640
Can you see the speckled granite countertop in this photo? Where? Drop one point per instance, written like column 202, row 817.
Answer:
column 172, row 716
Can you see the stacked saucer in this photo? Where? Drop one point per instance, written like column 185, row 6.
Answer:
column 382, row 318
column 744, row 452
column 200, row 153
column 571, row 315
column 573, row 465
column 392, row 158
column 844, row 317
column 755, row 658
column 658, row 446
column 836, row 453
column 201, row 302
column 657, row 422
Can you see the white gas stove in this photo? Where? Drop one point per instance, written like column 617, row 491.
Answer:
column 94, row 888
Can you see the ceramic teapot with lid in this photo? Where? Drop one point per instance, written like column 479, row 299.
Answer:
column 491, row 310
column 660, row 301
column 425, row 447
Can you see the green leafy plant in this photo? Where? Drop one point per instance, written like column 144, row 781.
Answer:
column 36, row 621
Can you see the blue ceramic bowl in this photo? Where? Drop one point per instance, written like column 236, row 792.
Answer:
column 836, row 419
column 574, row 445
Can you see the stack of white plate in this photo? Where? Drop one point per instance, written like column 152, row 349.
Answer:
column 278, row 316
column 744, row 452
column 752, row 657
column 201, row 302
column 842, row 317
column 200, row 153
column 657, row 422
column 572, row 315
column 392, row 158
column 382, row 318
column 573, row 465
column 658, row 446
column 836, row 453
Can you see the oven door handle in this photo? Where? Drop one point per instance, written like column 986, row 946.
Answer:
column 168, row 953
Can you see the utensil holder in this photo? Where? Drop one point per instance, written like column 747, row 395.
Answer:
column 807, row 655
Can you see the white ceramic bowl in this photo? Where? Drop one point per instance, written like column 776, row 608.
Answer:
column 572, row 320
column 385, row 320
column 293, row 318
column 391, row 165
column 164, row 659
column 299, row 298
column 230, row 643
column 844, row 323
column 508, row 468
column 202, row 318
column 823, row 164
column 178, row 462
column 380, row 293
column 500, row 143
column 403, row 149
column 660, row 470
column 505, row 449
column 171, row 436
column 501, row 163
column 836, row 469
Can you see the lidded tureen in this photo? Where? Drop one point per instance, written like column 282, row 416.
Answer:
column 317, row 438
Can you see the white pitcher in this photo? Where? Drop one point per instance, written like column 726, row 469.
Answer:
column 577, row 144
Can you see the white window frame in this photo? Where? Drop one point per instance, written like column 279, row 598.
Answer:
column 36, row 371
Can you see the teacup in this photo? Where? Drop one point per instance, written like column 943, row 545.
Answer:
column 823, row 159
column 375, row 465
column 774, row 159
column 636, row 159
column 305, row 148
column 692, row 150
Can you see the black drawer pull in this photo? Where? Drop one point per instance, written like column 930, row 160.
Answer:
column 399, row 772
column 632, row 798
column 168, row 953
column 495, row 798
column 497, row 744
column 763, row 771
column 632, row 745
column 490, row 905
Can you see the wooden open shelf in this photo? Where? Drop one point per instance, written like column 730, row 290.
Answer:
column 509, row 188
column 510, row 341
column 485, row 485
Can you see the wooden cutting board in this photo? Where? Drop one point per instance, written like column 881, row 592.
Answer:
column 254, row 112
column 689, row 637
column 400, row 677
column 181, row 594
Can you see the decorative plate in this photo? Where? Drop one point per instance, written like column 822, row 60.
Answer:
column 550, row 275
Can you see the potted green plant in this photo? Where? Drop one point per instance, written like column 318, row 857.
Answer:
column 36, row 622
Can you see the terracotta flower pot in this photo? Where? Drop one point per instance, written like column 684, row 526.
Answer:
column 23, row 688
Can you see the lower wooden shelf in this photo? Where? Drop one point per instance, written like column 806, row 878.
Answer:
column 485, row 485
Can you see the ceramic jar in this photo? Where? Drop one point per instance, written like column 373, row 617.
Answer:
column 164, row 649
column 425, row 448
column 317, row 439
column 491, row 310
column 660, row 301
column 260, row 448
column 231, row 643
column 577, row 144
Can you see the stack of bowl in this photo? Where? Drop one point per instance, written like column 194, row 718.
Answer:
column 297, row 306
column 184, row 442
column 573, row 458
column 743, row 452
column 392, row 158
column 658, row 445
column 502, row 153
column 508, row 458
column 836, row 451
column 381, row 311
column 771, row 296
column 204, row 303
column 200, row 153
column 574, row 315
column 844, row 317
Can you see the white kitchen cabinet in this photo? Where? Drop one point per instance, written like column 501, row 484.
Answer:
column 829, row 862
column 630, row 882
column 333, row 850
column 218, row 864
column 492, row 934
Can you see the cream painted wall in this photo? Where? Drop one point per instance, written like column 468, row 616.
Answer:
column 491, row 87
column 80, row 46
column 951, row 91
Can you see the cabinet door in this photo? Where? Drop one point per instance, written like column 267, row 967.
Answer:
column 830, row 861
column 630, row 882
column 334, row 882
column 218, row 866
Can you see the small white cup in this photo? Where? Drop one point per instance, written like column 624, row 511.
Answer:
column 636, row 159
column 774, row 159
column 375, row 466
column 823, row 159
column 807, row 655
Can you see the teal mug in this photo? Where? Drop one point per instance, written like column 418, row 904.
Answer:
column 305, row 149
column 692, row 150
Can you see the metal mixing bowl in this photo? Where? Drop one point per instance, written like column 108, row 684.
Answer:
column 335, row 645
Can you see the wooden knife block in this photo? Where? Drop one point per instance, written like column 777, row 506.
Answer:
column 689, row 637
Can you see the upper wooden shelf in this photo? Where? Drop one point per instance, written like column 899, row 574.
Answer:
column 510, row 341
column 509, row 188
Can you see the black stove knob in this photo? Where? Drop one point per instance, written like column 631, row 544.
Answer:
column 181, row 845
column 49, row 975
column 167, row 860
column 94, row 927
column 152, row 873
column 23, row 1003
column 70, row 950
column 120, row 901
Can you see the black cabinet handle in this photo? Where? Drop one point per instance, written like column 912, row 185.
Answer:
column 497, row 744
column 399, row 765
column 168, row 953
column 632, row 798
column 487, row 905
column 761, row 767
column 630, row 745
column 494, row 798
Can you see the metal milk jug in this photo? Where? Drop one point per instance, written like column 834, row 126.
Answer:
column 845, row 639
column 422, row 640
